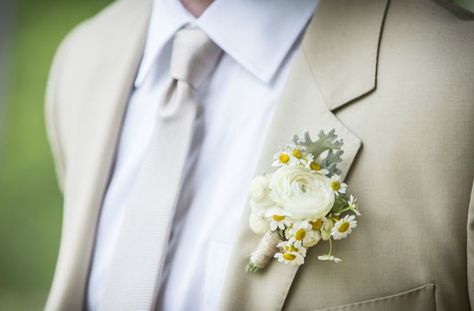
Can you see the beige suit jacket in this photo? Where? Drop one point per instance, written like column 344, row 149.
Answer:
column 394, row 78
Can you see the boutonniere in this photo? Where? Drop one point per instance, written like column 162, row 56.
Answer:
column 304, row 201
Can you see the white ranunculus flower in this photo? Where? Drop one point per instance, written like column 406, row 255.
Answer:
column 303, row 194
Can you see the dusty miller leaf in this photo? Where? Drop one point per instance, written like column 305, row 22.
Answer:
column 324, row 142
column 330, row 162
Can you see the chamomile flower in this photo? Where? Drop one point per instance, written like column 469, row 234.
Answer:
column 279, row 222
column 343, row 227
column 300, row 156
column 337, row 185
column 326, row 229
column 317, row 224
column 329, row 258
column 283, row 158
column 302, row 234
column 353, row 205
column 314, row 166
column 290, row 255
column 288, row 247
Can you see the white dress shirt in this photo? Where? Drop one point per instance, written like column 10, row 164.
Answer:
column 259, row 39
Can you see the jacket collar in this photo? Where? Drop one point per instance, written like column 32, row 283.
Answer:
column 342, row 47
column 245, row 30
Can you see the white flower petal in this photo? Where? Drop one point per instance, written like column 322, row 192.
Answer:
column 301, row 193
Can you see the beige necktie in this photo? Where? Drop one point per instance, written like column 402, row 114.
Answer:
column 143, row 239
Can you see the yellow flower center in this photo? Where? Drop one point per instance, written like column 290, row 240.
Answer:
column 317, row 224
column 291, row 248
column 343, row 227
column 289, row 257
column 335, row 185
column 300, row 234
column 315, row 166
column 297, row 153
column 278, row 217
column 284, row 158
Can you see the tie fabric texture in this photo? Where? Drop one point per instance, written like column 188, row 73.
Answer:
column 137, row 261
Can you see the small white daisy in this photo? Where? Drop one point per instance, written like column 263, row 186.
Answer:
column 353, row 205
column 288, row 247
column 343, row 227
column 282, row 158
column 300, row 156
column 279, row 222
column 291, row 258
column 302, row 234
column 329, row 258
column 337, row 185
column 328, row 225
column 314, row 166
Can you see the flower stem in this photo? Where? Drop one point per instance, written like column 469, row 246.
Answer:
column 345, row 210
column 251, row 267
column 330, row 247
column 281, row 233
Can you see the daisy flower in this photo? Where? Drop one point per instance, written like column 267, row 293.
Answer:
column 289, row 247
column 329, row 258
column 353, row 205
column 326, row 229
column 343, row 227
column 300, row 156
column 314, row 166
column 302, row 234
column 337, row 185
column 317, row 224
column 279, row 222
column 290, row 254
column 282, row 158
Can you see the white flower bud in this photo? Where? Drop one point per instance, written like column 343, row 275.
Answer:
column 258, row 224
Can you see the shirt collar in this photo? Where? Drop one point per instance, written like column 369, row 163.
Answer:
column 257, row 34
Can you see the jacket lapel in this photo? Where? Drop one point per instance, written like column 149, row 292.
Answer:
column 336, row 65
column 95, row 149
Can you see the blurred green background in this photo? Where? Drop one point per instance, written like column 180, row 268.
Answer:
column 30, row 202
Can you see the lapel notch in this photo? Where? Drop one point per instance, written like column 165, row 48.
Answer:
column 342, row 48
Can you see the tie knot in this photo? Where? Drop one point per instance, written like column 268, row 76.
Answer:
column 194, row 56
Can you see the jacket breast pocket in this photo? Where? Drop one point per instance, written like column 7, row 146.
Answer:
column 421, row 298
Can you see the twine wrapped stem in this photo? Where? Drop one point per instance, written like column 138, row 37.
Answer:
column 264, row 252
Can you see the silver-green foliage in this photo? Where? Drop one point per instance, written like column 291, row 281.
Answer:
column 325, row 142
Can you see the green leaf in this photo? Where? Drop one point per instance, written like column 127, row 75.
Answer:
column 340, row 203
